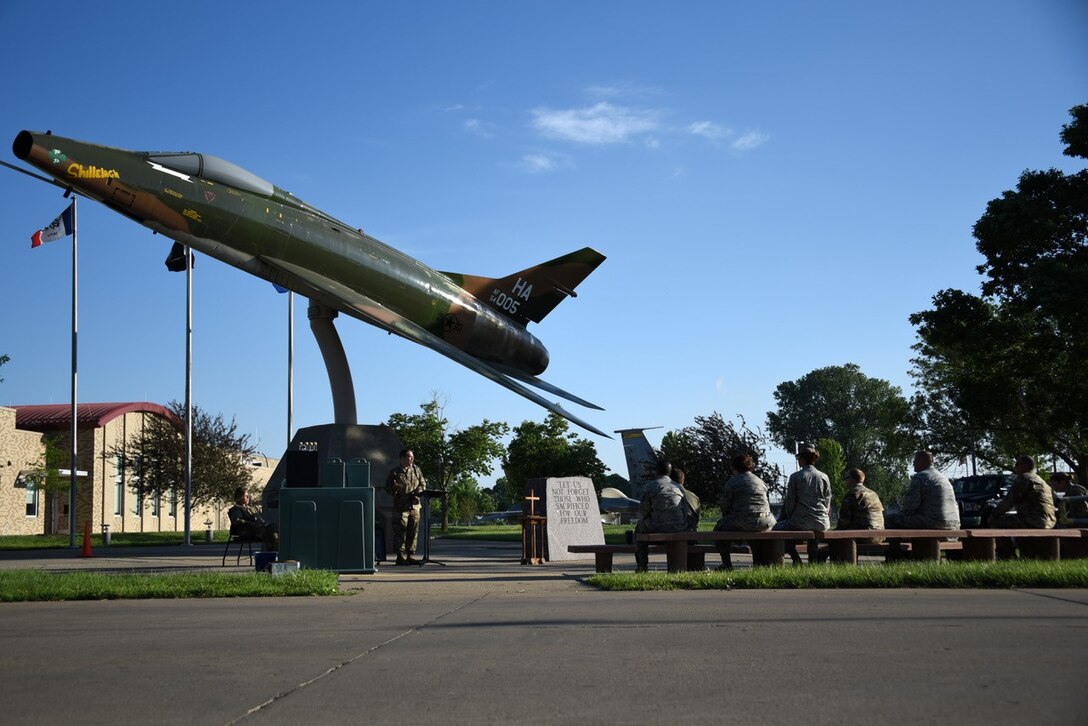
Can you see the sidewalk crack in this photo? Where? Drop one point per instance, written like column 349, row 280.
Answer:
column 284, row 694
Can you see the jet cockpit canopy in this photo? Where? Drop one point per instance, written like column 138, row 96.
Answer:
column 211, row 168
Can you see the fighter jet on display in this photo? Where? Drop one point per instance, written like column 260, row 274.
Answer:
column 228, row 213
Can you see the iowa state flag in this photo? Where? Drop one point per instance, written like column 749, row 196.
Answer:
column 62, row 226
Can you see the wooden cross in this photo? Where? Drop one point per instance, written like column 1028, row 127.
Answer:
column 532, row 533
column 532, row 499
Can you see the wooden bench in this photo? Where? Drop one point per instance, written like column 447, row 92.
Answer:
column 1035, row 544
column 924, row 544
column 603, row 554
column 1073, row 548
column 768, row 548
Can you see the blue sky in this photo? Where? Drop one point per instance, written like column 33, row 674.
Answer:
column 777, row 187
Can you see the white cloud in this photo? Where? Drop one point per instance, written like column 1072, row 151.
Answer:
column 478, row 127
column 751, row 140
column 538, row 164
column 603, row 123
column 709, row 130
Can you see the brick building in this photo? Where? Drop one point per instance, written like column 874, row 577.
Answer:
column 103, row 493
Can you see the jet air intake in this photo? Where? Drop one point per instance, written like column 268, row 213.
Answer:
column 22, row 144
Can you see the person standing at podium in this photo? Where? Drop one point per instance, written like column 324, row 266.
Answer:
column 405, row 482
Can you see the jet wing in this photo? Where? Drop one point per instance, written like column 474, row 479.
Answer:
column 613, row 501
column 368, row 310
column 545, row 386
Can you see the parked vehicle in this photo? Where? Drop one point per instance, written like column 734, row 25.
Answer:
column 977, row 496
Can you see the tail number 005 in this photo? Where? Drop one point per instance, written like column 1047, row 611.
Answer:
column 504, row 302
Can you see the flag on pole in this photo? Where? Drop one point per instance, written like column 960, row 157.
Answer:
column 62, row 226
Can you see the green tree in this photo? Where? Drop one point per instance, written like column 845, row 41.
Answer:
column 501, row 496
column 154, row 458
column 868, row 417
column 463, row 500
column 833, row 463
column 550, row 449
column 466, row 500
column 45, row 476
column 616, row 482
column 706, row 448
column 448, row 457
column 3, row 359
column 1002, row 373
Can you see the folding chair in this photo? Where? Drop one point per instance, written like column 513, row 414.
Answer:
column 241, row 540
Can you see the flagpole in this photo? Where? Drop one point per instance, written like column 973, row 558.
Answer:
column 75, row 329
column 290, row 363
column 188, row 392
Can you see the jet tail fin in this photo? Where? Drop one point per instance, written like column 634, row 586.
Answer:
column 641, row 458
column 532, row 293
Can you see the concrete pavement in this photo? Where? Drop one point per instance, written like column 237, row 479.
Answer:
column 486, row 640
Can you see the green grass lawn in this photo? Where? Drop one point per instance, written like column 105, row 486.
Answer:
column 998, row 575
column 118, row 539
column 42, row 585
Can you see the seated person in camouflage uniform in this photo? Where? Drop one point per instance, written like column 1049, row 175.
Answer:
column 929, row 503
column 744, row 503
column 1033, row 501
column 860, row 507
column 246, row 521
column 661, row 510
column 1062, row 483
column 695, row 507
column 1030, row 495
column 807, row 503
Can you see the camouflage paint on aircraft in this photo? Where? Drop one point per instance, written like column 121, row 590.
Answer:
column 230, row 214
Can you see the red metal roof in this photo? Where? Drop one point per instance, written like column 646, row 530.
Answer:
column 50, row 417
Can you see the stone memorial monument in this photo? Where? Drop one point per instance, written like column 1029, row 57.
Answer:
column 573, row 515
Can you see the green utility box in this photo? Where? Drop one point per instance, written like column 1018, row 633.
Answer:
column 332, row 473
column 358, row 473
column 328, row 527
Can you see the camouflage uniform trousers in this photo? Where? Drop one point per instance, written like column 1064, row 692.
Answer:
column 406, row 531
column 757, row 522
column 1006, row 546
column 811, row 546
column 642, row 549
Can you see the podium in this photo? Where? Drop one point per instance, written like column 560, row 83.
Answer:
column 425, row 497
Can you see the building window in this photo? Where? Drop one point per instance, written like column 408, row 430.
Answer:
column 173, row 503
column 156, row 500
column 118, row 488
column 137, row 496
column 31, row 499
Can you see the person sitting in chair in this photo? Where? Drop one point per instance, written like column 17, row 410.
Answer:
column 247, row 522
